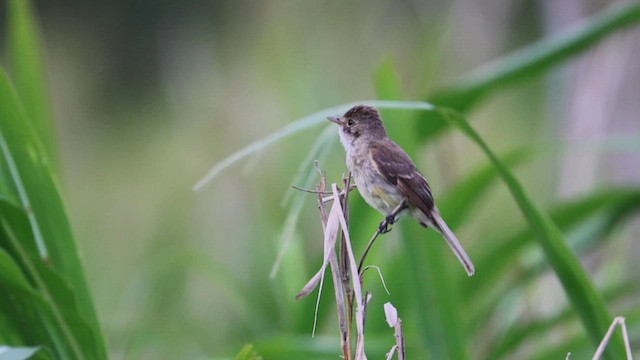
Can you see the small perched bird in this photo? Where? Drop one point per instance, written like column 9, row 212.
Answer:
column 387, row 178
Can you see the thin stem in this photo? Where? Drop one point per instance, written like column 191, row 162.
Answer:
column 351, row 187
column 344, row 263
column 401, row 207
column 366, row 250
column 311, row 191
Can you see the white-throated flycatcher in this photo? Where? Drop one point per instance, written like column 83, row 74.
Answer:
column 386, row 177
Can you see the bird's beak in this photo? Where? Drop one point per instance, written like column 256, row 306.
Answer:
column 335, row 119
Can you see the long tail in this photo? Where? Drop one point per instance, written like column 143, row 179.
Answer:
column 439, row 224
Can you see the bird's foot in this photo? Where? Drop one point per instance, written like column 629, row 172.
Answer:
column 385, row 225
column 390, row 219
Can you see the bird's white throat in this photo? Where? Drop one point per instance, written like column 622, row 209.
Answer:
column 346, row 140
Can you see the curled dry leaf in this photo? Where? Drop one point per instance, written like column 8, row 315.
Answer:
column 330, row 236
column 357, row 289
column 391, row 314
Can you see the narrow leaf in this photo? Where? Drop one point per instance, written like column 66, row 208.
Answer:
column 529, row 61
column 296, row 126
column 587, row 301
column 41, row 201
column 27, row 65
column 50, row 295
column 330, row 236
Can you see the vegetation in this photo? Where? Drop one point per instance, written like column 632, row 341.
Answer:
column 183, row 299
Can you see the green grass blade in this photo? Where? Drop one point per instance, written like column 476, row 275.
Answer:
column 50, row 295
column 38, row 193
column 487, row 300
column 590, row 220
column 10, row 272
column 529, row 61
column 539, row 57
column 28, row 71
column 60, row 335
column 539, row 327
column 15, row 152
column 581, row 292
column 567, row 215
column 296, row 126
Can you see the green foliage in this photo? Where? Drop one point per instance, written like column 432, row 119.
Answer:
column 586, row 299
column 48, row 302
column 528, row 62
column 27, row 68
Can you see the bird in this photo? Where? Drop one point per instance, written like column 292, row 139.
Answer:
column 387, row 178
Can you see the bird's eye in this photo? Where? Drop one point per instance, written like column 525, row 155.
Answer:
column 351, row 122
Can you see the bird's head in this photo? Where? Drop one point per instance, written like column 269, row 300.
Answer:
column 359, row 122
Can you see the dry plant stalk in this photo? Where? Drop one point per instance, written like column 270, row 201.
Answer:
column 391, row 314
column 618, row 321
column 347, row 274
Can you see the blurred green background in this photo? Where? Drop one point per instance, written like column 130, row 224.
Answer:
column 148, row 95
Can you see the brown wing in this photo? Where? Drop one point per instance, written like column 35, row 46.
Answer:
column 398, row 168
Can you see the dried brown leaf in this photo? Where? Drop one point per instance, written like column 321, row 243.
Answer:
column 391, row 314
column 353, row 267
column 330, row 237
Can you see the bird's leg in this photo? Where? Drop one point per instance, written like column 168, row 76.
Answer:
column 391, row 218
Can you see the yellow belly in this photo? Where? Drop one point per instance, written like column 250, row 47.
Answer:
column 375, row 190
column 379, row 194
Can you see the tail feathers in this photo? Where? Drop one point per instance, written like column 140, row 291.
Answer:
column 439, row 224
